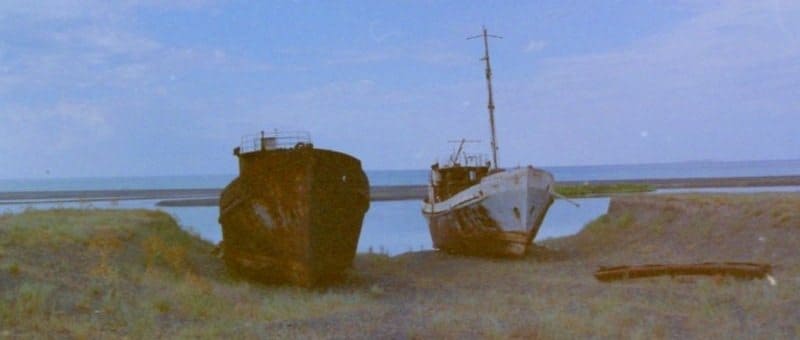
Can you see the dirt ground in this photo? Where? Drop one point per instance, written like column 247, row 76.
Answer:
column 111, row 279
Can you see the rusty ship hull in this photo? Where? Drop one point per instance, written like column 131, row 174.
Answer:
column 499, row 216
column 293, row 215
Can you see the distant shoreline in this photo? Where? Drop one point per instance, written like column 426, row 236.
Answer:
column 209, row 196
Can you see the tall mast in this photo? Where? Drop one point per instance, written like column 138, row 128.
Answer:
column 486, row 36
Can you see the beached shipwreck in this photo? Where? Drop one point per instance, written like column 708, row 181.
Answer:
column 475, row 207
column 480, row 210
column 294, row 213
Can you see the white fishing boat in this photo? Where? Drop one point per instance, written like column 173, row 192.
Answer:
column 477, row 208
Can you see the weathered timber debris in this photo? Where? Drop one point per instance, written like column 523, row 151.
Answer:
column 736, row 269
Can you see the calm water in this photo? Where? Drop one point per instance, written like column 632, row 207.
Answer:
column 420, row 177
column 398, row 226
column 391, row 227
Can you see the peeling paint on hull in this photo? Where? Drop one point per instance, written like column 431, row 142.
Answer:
column 293, row 215
column 500, row 216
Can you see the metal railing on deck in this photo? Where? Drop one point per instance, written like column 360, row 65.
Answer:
column 474, row 159
column 274, row 140
column 469, row 159
column 461, row 158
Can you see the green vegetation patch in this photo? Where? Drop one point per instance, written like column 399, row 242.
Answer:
column 588, row 190
column 88, row 273
column 136, row 274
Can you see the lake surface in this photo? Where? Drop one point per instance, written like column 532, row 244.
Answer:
column 396, row 227
column 420, row 177
column 391, row 227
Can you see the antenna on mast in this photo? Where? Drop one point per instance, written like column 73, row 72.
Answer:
column 486, row 36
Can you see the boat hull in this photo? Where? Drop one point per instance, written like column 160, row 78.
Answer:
column 500, row 216
column 293, row 216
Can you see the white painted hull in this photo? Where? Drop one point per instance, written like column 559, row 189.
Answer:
column 499, row 216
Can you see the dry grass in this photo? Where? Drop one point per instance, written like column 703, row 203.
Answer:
column 95, row 273
column 92, row 273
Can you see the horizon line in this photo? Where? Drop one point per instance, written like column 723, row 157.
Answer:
column 700, row 161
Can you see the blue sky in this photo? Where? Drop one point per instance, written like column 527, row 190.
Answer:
column 132, row 88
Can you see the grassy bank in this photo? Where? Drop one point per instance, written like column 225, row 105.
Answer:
column 89, row 273
column 100, row 273
column 589, row 190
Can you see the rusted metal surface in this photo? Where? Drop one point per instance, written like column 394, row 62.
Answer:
column 293, row 215
column 453, row 180
column 736, row 269
column 499, row 214
column 477, row 208
column 471, row 230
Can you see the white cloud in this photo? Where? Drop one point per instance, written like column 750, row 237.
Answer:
column 48, row 10
column 78, row 75
column 87, row 50
column 377, row 34
column 52, row 9
column 111, row 41
column 427, row 53
column 60, row 126
column 535, row 46
column 726, row 76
